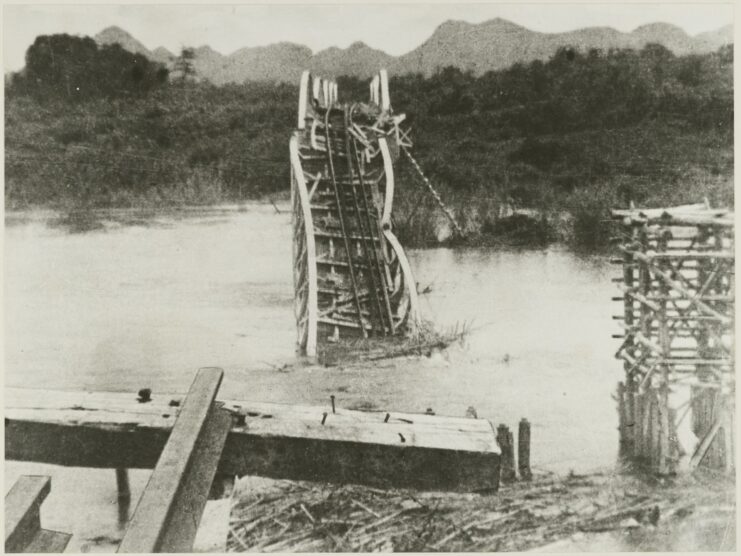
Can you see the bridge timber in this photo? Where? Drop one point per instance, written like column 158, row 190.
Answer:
column 352, row 278
column 281, row 441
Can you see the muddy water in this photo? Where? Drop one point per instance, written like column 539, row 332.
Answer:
column 128, row 301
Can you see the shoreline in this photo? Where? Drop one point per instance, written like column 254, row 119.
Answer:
column 533, row 233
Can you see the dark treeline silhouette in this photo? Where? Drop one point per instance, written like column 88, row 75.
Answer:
column 76, row 69
column 99, row 126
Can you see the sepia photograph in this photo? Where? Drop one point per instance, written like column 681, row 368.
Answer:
column 369, row 277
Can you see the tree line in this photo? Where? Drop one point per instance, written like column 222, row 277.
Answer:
column 90, row 125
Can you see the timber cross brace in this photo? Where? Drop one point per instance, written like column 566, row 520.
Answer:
column 678, row 320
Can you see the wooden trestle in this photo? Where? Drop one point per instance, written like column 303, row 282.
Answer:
column 351, row 276
column 678, row 349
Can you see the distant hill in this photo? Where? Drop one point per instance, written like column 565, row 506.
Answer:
column 498, row 43
column 712, row 40
column 357, row 60
column 282, row 61
column 163, row 56
column 116, row 35
column 478, row 47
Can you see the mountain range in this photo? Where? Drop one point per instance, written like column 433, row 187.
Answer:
column 478, row 47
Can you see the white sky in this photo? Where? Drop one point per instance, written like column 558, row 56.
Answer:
column 393, row 27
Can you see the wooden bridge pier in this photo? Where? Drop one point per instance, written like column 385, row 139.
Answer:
column 678, row 320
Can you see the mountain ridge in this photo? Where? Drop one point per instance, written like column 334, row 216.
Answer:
column 478, row 47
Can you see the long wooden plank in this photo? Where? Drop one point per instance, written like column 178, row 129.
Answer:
column 299, row 188
column 168, row 513
column 273, row 440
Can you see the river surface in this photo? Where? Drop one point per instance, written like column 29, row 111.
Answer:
column 127, row 302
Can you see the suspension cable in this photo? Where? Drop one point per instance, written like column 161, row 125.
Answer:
column 432, row 191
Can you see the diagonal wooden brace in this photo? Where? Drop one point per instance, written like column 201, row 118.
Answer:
column 169, row 511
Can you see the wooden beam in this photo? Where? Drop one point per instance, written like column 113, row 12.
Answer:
column 169, row 511
column 113, row 430
column 23, row 532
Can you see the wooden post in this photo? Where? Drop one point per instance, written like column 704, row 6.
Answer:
column 656, row 455
column 628, row 434
column 638, row 435
column 504, row 439
column 630, row 416
column 523, row 450
column 621, row 417
column 124, row 495
column 646, row 416
column 665, row 461
column 728, row 436
column 664, row 464
column 122, row 484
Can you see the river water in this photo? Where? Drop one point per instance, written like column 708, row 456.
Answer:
column 130, row 301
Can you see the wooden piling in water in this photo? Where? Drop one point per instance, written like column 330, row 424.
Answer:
column 506, row 446
column 523, row 450
column 622, row 433
column 122, row 485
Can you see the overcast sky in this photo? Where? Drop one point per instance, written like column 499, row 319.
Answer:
column 393, row 27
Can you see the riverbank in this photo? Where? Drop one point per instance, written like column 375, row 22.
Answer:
column 572, row 513
column 551, row 138
column 516, row 229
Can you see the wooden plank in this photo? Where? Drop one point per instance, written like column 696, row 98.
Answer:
column 299, row 184
column 193, row 491
column 23, row 532
column 167, row 516
column 48, row 542
column 273, row 440
column 22, row 507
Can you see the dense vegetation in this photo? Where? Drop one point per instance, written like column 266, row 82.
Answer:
column 568, row 137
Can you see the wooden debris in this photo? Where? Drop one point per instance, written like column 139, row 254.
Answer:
column 521, row 517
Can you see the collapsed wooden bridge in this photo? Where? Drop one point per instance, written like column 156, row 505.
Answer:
column 678, row 349
column 351, row 276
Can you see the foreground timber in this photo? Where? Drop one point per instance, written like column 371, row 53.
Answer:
column 118, row 431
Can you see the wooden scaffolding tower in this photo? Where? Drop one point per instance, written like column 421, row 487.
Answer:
column 678, row 342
